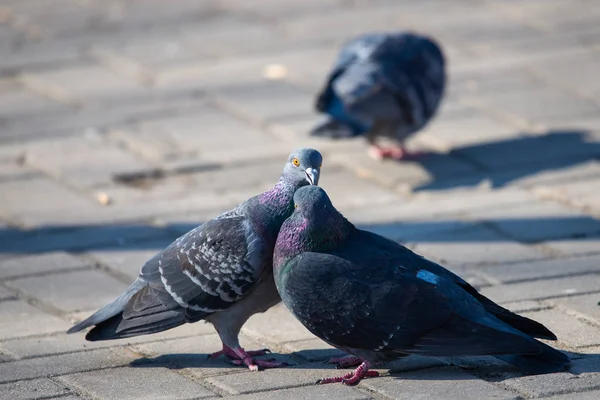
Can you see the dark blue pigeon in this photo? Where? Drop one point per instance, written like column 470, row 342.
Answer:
column 379, row 301
column 382, row 84
column 220, row 272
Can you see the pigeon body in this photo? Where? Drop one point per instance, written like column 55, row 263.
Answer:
column 382, row 85
column 376, row 299
column 220, row 272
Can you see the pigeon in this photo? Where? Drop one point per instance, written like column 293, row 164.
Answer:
column 382, row 85
column 377, row 300
column 220, row 272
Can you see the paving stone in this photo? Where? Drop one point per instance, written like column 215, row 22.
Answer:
column 64, row 364
column 578, row 194
column 72, row 291
column 19, row 102
column 136, row 383
column 472, row 246
column 567, row 328
column 40, row 264
column 273, row 379
column 585, row 304
column 542, row 289
column 91, row 162
column 542, row 269
column 553, row 384
column 287, row 328
column 590, row 395
column 31, row 389
column 534, row 222
column 190, row 354
column 433, row 383
column 19, row 319
column 6, row 295
column 575, row 246
column 329, row 392
column 312, row 349
column 63, row 343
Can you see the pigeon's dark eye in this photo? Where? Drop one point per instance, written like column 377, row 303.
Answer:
column 296, row 162
column 295, row 205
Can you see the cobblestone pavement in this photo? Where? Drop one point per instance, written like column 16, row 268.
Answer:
column 125, row 123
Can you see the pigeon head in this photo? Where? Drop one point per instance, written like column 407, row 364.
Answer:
column 303, row 167
column 313, row 204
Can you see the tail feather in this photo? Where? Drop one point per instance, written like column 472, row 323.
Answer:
column 548, row 361
column 111, row 309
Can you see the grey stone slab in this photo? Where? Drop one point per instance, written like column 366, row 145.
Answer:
column 581, row 194
column 72, row 291
column 434, row 383
column 286, row 329
column 20, row 319
column 6, row 295
column 136, row 383
column 63, row 343
column 64, row 364
column 40, row 264
column 273, row 379
column 256, row 100
column 542, row 269
column 567, row 328
column 473, row 245
column 91, row 162
column 31, row 389
column 539, row 221
column 575, row 246
column 588, row 395
column 586, row 305
column 543, row 289
column 553, row 384
column 312, row 349
column 328, row 392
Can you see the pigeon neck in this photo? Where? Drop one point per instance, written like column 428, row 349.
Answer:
column 277, row 205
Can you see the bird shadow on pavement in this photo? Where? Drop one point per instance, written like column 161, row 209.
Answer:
column 505, row 161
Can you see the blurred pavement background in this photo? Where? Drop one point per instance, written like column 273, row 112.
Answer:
column 125, row 123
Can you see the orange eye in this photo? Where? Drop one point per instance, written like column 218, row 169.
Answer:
column 296, row 162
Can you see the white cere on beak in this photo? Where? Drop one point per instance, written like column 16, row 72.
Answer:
column 312, row 176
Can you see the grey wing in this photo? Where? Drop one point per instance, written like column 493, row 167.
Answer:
column 209, row 268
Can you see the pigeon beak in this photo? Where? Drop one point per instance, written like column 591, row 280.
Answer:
column 312, row 176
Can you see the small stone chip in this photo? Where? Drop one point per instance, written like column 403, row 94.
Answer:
column 103, row 198
column 275, row 71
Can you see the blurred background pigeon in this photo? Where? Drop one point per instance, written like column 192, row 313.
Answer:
column 376, row 299
column 221, row 272
column 382, row 85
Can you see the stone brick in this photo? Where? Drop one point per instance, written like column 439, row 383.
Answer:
column 273, row 379
column 136, row 383
column 542, row 269
column 328, row 392
column 63, row 343
column 581, row 194
column 91, row 162
column 287, row 328
column 32, row 389
column 543, row 289
column 190, row 354
column 6, row 295
column 433, row 383
column 19, row 319
column 587, row 305
column 575, row 246
column 534, row 222
column 590, row 395
column 72, row 291
column 312, row 349
column 18, row 102
column 567, row 328
column 64, row 364
column 40, row 264
column 553, row 384
column 472, row 246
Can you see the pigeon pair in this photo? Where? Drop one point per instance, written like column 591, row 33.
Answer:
column 386, row 85
column 358, row 291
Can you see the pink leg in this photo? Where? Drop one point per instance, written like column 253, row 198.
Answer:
column 345, row 361
column 242, row 357
column 393, row 152
column 352, row 378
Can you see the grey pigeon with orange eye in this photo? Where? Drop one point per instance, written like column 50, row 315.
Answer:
column 221, row 272
column 379, row 301
column 383, row 85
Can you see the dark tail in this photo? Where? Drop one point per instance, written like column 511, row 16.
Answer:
column 548, row 361
column 110, row 310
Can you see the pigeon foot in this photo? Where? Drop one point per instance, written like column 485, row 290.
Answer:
column 345, row 361
column 239, row 356
column 393, row 152
column 351, row 378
